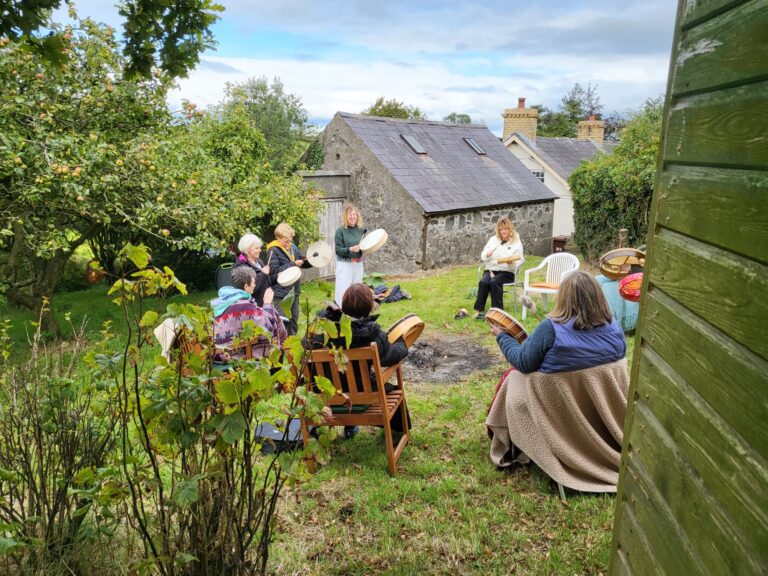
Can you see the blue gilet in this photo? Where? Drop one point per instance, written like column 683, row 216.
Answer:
column 578, row 349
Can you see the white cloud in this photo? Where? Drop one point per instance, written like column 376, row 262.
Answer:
column 440, row 55
column 329, row 87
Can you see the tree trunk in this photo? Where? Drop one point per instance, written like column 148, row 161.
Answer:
column 42, row 277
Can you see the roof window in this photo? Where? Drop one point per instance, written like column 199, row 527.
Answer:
column 413, row 143
column 474, row 145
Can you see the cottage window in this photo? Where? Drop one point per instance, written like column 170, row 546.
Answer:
column 474, row 145
column 414, row 144
column 539, row 174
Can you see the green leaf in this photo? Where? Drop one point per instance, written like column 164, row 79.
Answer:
column 184, row 558
column 231, row 427
column 187, row 492
column 325, row 386
column 149, row 318
column 228, row 390
column 8, row 545
column 346, row 329
column 325, row 326
column 7, row 475
column 258, row 382
column 139, row 255
column 295, row 348
column 85, row 476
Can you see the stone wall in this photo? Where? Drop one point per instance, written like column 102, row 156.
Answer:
column 382, row 200
column 459, row 238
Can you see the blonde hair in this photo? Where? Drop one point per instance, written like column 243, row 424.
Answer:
column 284, row 230
column 581, row 298
column 506, row 223
column 345, row 219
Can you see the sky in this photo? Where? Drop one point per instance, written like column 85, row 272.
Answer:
column 442, row 56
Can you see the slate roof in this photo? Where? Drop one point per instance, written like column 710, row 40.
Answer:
column 564, row 155
column 451, row 176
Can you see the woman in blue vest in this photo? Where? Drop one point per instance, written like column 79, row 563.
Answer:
column 563, row 403
column 579, row 333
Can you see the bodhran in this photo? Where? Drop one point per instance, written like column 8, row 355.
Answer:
column 409, row 327
column 373, row 240
column 319, row 254
column 497, row 317
column 289, row 276
column 616, row 264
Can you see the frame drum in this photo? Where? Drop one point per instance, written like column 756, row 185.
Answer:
column 319, row 254
column 616, row 264
column 373, row 240
column 497, row 317
column 409, row 327
column 289, row 276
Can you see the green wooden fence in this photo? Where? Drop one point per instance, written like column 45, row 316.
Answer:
column 693, row 491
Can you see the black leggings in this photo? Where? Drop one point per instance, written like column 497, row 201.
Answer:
column 495, row 286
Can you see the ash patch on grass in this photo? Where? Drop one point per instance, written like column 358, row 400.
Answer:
column 445, row 359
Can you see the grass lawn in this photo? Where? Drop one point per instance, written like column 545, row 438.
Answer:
column 449, row 510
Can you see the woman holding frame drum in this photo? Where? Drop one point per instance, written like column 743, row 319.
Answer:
column 282, row 255
column 563, row 402
column 502, row 255
column 349, row 257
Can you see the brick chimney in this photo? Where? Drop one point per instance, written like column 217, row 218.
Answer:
column 521, row 119
column 591, row 129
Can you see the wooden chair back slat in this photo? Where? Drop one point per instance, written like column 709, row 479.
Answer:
column 364, row 368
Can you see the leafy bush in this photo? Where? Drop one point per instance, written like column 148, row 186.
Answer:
column 196, row 269
column 614, row 192
column 200, row 492
column 75, row 273
column 56, row 433
column 116, row 441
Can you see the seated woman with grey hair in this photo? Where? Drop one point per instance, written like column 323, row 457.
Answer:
column 250, row 248
column 235, row 305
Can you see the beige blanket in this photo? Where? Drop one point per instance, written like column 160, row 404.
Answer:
column 570, row 424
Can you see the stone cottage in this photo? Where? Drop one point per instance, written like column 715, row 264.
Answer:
column 552, row 160
column 437, row 188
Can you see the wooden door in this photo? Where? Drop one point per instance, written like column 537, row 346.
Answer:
column 693, row 489
column 330, row 220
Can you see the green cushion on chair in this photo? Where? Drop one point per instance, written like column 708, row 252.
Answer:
column 356, row 409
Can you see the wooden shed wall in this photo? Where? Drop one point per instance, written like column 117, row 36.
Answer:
column 693, row 491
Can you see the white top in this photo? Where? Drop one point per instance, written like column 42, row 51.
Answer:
column 499, row 250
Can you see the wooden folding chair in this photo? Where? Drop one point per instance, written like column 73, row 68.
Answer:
column 355, row 388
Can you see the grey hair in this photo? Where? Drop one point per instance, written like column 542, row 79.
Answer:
column 247, row 241
column 243, row 275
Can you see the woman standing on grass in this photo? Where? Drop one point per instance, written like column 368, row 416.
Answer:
column 283, row 254
column 349, row 258
column 502, row 255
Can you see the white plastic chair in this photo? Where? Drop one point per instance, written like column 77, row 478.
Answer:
column 508, row 285
column 557, row 265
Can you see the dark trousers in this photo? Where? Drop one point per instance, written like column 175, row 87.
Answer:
column 280, row 292
column 494, row 285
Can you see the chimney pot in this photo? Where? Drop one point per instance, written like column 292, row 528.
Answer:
column 591, row 117
column 521, row 102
